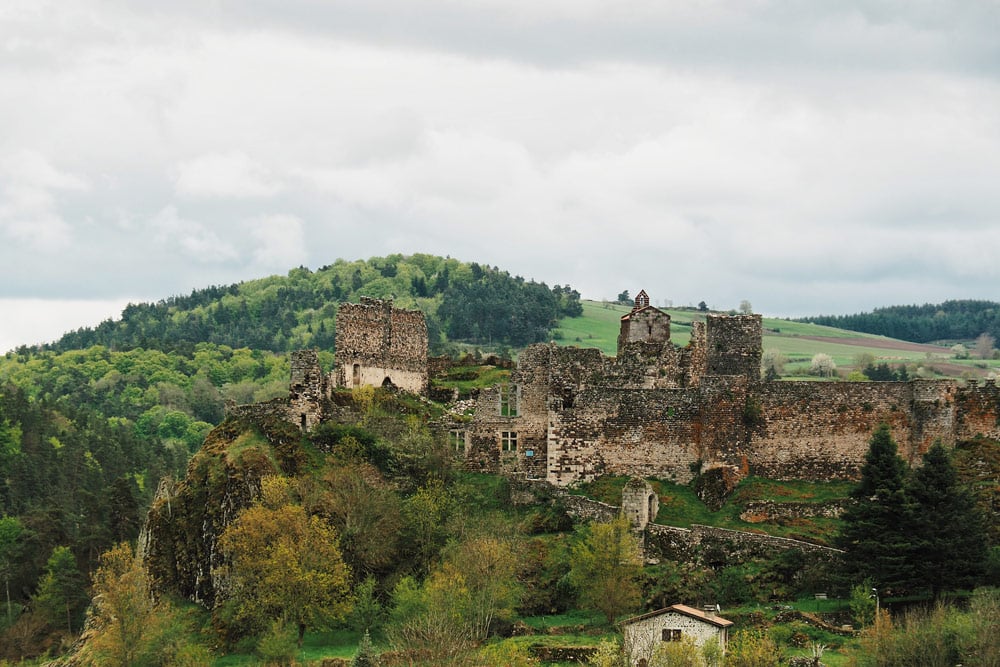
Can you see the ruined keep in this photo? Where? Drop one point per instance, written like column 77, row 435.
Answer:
column 382, row 346
column 659, row 410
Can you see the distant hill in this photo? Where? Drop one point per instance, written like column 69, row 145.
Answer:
column 462, row 302
column 960, row 320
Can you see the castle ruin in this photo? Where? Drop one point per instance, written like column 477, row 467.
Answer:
column 654, row 410
column 659, row 410
column 376, row 345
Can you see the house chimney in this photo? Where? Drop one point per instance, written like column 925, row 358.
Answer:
column 711, row 610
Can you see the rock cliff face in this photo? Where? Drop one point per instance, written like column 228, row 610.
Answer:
column 184, row 524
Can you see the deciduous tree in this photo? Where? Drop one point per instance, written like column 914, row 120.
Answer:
column 283, row 563
column 130, row 627
column 604, row 568
column 984, row 346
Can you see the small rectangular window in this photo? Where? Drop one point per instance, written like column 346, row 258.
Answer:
column 508, row 441
column 671, row 635
column 456, row 438
column 508, row 400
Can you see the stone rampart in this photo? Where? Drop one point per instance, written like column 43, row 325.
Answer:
column 710, row 544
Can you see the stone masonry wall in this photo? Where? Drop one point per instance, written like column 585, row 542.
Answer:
column 307, row 391
column 734, row 345
column 644, row 325
column 978, row 410
column 636, row 432
column 376, row 342
column 820, row 430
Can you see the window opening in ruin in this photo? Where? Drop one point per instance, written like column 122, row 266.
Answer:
column 356, row 376
column 508, row 441
column 651, row 508
column 508, row 400
column 457, row 439
column 671, row 635
column 302, row 421
column 387, row 383
column 642, row 663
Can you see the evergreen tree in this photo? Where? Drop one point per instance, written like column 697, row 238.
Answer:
column 875, row 528
column 61, row 598
column 948, row 534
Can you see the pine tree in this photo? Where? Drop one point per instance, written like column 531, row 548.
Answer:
column 948, row 533
column 875, row 533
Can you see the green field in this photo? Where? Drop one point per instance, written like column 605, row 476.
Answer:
column 600, row 323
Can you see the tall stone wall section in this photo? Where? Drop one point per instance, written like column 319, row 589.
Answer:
column 977, row 410
column 643, row 433
column 377, row 344
column 308, row 389
column 820, row 430
column 734, row 345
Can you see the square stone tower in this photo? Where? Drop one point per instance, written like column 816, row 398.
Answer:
column 382, row 346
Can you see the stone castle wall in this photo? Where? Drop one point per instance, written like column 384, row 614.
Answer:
column 663, row 411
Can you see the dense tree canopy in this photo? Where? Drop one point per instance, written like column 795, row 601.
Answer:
column 284, row 565
column 951, row 320
column 949, row 534
column 875, row 535
column 283, row 313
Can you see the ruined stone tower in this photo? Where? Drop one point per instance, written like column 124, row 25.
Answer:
column 733, row 345
column 381, row 346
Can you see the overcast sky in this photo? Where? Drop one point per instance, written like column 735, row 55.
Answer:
column 823, row 157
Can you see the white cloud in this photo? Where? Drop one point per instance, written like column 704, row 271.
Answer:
column 718, row 151
column 29, row 201
column 229, row 175
column 34, row 321
column 191, row 239
column 280, row 242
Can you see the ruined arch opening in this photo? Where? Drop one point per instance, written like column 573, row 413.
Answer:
column 356, row 375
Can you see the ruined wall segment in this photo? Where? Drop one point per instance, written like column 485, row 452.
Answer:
column 734, row 345
column 307, row 390
column 379, row 345
column 978, row 410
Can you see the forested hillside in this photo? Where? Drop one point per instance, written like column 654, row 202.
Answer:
column 462, row 302
column 961, row 320
column 90, row 424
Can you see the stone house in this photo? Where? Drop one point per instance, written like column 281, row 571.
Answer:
column 643, row 634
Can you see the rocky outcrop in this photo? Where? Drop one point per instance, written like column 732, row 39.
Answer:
column 184, row 524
